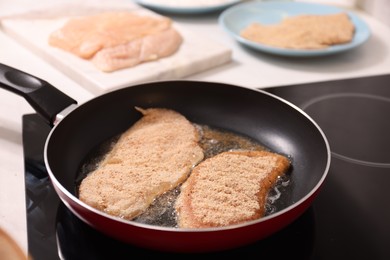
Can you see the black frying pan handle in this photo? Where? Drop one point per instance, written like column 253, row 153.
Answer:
column 43, row 97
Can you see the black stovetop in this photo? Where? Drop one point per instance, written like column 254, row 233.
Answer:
column 350, row 218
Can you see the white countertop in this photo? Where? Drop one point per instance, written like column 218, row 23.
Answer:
column 247, row 68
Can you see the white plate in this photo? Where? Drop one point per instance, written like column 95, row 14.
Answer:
column 187, row 6
column 236, row 18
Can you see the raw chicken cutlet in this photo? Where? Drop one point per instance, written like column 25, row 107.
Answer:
column 153, row 156
column 117, row 39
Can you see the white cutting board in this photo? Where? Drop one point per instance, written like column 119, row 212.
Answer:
column 197, row 53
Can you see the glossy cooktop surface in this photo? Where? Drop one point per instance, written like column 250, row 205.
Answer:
column 348, row 220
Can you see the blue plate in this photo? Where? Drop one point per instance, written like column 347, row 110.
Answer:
column 236, row 18
column 196, row 8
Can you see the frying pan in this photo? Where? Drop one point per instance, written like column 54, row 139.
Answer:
column 79, row 129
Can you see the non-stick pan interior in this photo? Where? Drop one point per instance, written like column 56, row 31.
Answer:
column 273, row 122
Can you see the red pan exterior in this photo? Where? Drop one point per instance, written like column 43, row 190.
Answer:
column 186, row 241
column 276, row 123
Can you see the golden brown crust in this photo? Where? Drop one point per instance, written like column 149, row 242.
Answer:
column 155, row 155
column 229, row 188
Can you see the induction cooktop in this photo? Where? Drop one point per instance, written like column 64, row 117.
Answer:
column 350, row 218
